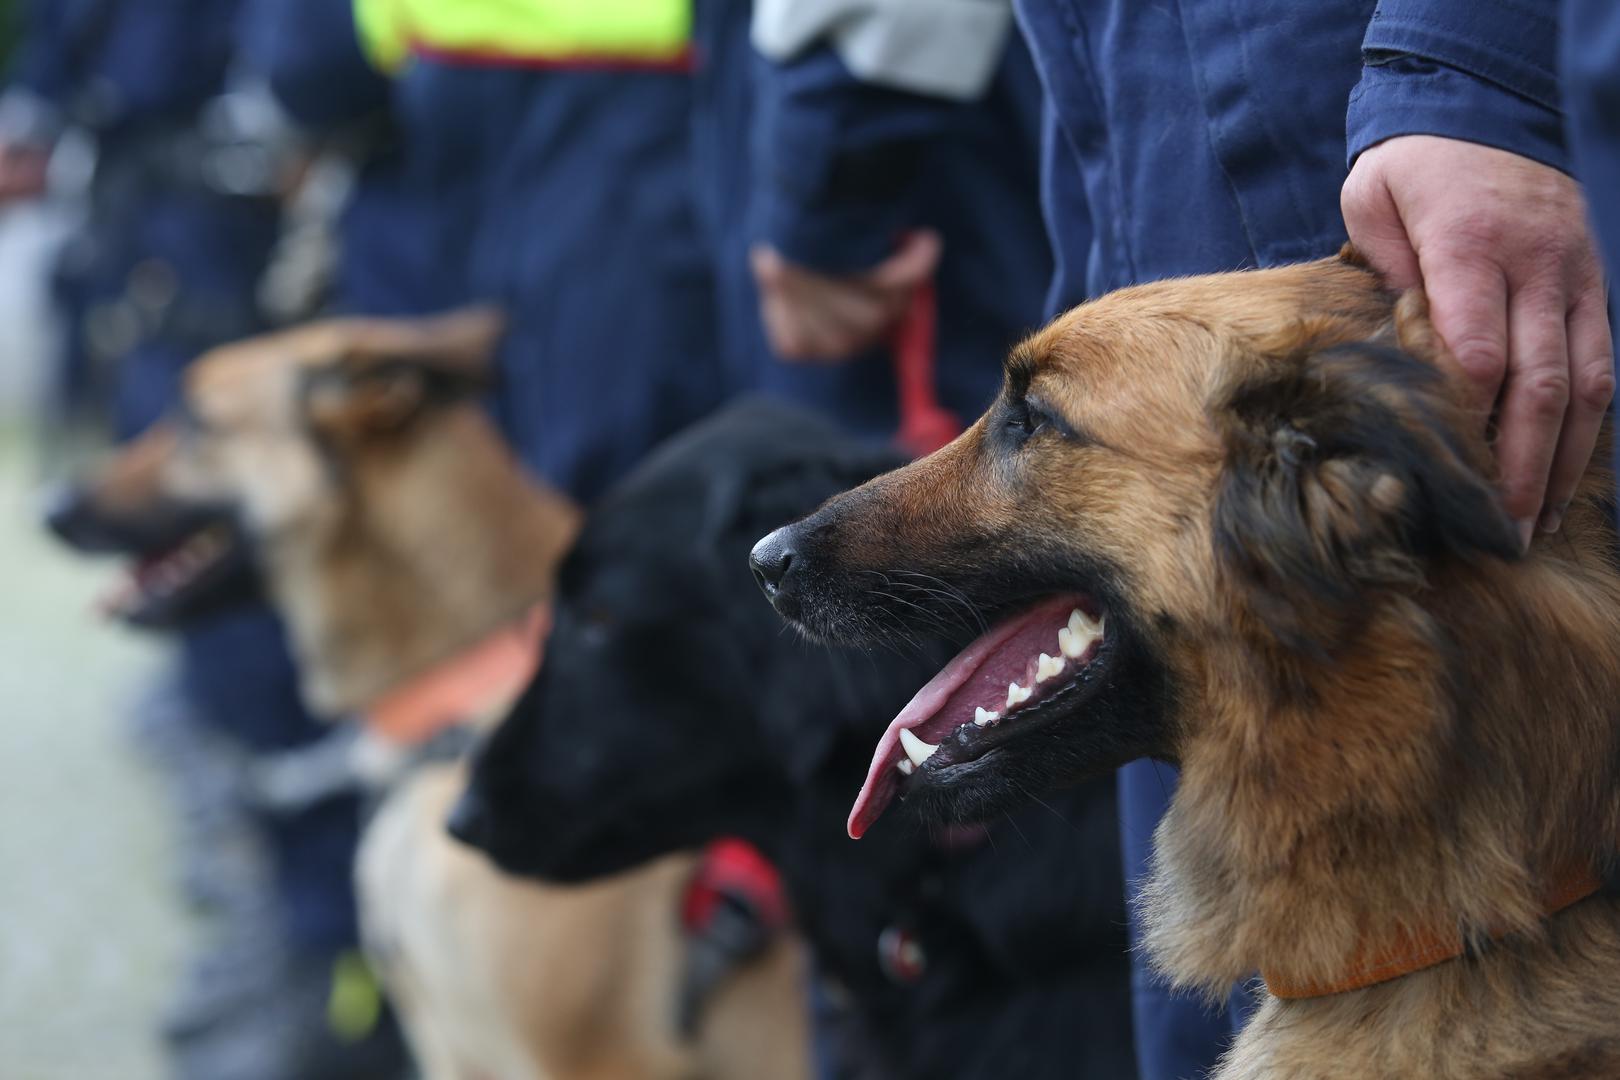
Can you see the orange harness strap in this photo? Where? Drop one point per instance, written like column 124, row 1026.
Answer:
column 486, row 675
column 1414, row 952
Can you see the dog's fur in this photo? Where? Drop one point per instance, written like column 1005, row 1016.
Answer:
column 393, row 528
column 1387, row 720
column 673, row 708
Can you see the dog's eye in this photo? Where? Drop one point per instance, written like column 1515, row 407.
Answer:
column 1024, row 419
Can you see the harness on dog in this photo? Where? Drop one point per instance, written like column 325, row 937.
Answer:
column 1413, row 952
column 733, row 908
column 466, row 687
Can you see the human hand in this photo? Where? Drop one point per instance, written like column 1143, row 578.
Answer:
column 819, row 318
column 23, row 167
column 1502, row 248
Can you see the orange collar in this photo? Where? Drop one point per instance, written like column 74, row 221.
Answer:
column 1412, row 952
column 465, row 687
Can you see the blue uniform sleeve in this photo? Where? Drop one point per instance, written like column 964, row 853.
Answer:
column 837, row 161
column 42, row 63
column 309, row 52
column 1487, row 73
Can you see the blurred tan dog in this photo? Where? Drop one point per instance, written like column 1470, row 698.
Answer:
column 408, row 553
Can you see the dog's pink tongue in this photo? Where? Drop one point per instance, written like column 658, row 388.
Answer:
column 882, row 778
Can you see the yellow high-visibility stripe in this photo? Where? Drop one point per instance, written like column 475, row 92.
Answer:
column 642, row 30
column 384, row 30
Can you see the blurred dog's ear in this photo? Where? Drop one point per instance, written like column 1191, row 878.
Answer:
column 459, row 344
column 1347, row 469
column 391, row 369
column 343, row 403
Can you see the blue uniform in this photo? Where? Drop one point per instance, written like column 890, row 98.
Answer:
column 1591, row 70
column 172, row 261
column 311, row 55
column 569, row 203
column 1188, row 137
column 839, row 169
column 168, row 265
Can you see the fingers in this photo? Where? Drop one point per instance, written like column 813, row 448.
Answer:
column 1535, row 399
column 1468, row 305
column 1374, row 224
column 913, row 263
column 1591, row 367
column 819, row 318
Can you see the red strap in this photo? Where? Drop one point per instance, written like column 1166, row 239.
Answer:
column 925, row 424
column 732, row 867
column 455, row 690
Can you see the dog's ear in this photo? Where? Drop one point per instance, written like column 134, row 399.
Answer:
column 390, row 370
column 1347, row 469
column 458, row 344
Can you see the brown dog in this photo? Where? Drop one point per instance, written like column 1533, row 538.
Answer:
column 1244, row 523
column 404, row 546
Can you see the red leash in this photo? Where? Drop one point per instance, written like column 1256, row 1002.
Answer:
column 925, row 424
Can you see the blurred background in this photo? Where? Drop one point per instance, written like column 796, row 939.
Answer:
column 91, row 924
column 176, row 175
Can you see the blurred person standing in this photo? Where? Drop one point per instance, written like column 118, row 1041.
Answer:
column 167, row 262
column 1590, row 63
column 184, row 210
column 316, row 64
column 884, row 159
column 554, row 137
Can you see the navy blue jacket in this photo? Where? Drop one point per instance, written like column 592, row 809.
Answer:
column 1591, row 67
column 115, row 67
column 565, row 195
column 1187, row 137
column 1204, row 137
column 310, row 54
column 842, row 168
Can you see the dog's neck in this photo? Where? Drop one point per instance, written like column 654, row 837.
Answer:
column 1431, row 804
column 441, row 540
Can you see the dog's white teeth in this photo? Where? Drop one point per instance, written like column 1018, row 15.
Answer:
column 984, row 717
column 1017, row 695
column 1047, row 667
column 917, row 750
column 1084, row 626
column 1078, row 636
column 1069, row 645
column 905, row 766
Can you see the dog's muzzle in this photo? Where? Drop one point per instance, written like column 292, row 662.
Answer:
column 772, row 562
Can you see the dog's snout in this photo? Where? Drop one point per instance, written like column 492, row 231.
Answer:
column 66, row 511
column 772, row 560
column 469, row 819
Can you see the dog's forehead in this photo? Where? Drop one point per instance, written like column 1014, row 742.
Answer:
column 243, row 375
column 1175, row 334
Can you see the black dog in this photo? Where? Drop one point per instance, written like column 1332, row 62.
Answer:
column 673, row 707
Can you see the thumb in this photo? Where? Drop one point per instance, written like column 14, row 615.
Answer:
column 1373, row 221
column 913, row 263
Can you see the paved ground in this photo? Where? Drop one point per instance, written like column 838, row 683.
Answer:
column 90, row 929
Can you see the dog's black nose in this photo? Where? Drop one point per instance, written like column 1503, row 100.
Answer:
column 469, row 819
column 771, row 560
column 65, row 510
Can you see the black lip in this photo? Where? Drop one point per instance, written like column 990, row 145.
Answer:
column 970, row 744
column 230, row 581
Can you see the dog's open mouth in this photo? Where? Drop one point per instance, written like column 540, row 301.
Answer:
column 164, row 587
column 1024, row 673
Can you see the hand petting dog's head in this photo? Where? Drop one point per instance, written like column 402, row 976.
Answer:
column 1251, row 463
